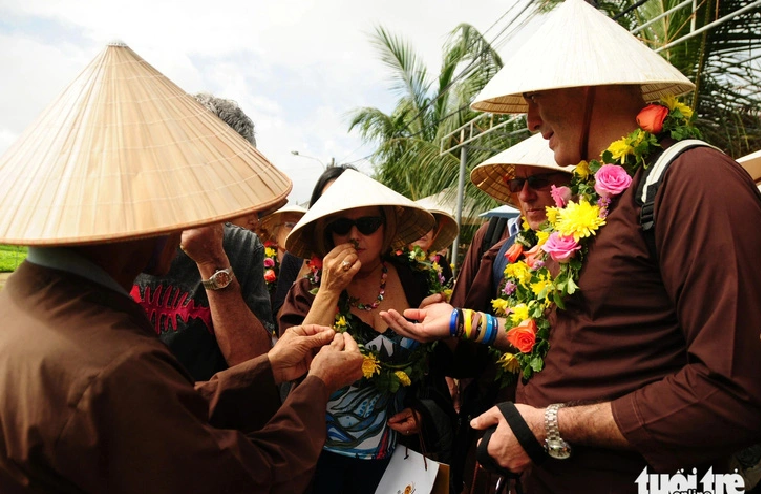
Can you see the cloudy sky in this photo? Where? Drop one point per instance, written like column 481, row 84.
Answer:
column 296, row 67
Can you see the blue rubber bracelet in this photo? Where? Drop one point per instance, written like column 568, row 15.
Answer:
column 492, row 329
column 453, row 323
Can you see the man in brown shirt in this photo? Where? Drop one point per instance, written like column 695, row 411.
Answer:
column 655, row 359
column 92, row 401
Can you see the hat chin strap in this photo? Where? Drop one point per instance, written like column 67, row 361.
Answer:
column 589, row 97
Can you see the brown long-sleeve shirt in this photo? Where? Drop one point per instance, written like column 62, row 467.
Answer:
column 673, row 343
column 93, row 402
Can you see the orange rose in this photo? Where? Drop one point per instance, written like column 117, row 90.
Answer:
column 523, row 336
column 269, row 276
column 514, row 252
column 531, row 255
column 651, row 118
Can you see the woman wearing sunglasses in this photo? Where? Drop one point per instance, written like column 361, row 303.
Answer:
column 354, row 226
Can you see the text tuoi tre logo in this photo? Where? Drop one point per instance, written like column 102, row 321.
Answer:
column 652, row 483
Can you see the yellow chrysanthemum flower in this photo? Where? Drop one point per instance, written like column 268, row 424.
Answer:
column 403, row 378
column 579, row 220
column 520, row 313
column 448, row 293
column 552, row 215
column 542, row 237
column 436, row 266
column 674, row 104
column 582, row 169
column 620, row 150
column 499, row 306
column 370, row 366
column 270, row 252
column 540, row 285
column 340, row 324
column 525, row 224
column 509, row 363
column 520, row 271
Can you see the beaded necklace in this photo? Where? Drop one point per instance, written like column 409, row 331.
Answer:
column 381, row 294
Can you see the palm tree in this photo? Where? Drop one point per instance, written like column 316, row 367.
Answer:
column 408, row 156
column 723, row 62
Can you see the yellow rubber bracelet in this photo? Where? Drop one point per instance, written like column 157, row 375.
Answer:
column 468, row 313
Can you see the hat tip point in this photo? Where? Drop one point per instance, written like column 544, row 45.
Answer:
column 117, row 42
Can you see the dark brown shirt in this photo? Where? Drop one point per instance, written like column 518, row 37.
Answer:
column 673, row 343
column 93, row 402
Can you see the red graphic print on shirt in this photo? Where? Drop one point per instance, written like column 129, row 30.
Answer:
column 164, row 311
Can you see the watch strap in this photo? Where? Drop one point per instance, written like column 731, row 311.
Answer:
column 551, row 422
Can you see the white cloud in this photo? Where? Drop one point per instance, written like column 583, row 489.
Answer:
column 295, row 66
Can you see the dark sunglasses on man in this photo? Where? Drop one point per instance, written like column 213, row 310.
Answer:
column 536, row 182
column 367, row 225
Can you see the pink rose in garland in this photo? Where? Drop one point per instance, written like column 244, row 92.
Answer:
column 268, row 262
column 523, row 336
column 651, row 118
column 611, row 180
column 561, row 195
column 561, row 248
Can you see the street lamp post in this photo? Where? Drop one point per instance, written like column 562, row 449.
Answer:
column 332, row 163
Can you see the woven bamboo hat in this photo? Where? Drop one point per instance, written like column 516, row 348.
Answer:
column 448, row 228
column 492, row 175
column 752, row 164
column 405, row 220
column 124, row 153
column 288, row 213
column 579, row 46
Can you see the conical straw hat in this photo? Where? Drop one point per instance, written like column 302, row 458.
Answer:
column 289, row 212
column 405, row 220
column 124, row 153
column 579, row 46
column 448, row 228
column 752, row 164
column 491, row 176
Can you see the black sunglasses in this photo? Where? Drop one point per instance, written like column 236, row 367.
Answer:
column 366, row 225
column 536, row 182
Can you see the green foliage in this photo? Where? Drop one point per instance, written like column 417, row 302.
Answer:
column 10, row 257
column 721, row 61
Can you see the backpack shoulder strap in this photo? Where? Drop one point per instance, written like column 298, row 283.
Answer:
column 651, row 181
column 494, row 232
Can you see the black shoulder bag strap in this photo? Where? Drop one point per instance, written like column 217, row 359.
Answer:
column 651, row 182
column 523, row 434
column 494, row 232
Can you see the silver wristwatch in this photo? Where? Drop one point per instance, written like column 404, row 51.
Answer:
column 556, row 447
column 219, row 280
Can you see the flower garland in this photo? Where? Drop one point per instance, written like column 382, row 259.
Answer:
column 419, row 260
column 271, row 266
column 388, row 373
column 529, row 290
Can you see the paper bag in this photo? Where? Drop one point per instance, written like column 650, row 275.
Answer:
column 406, row 473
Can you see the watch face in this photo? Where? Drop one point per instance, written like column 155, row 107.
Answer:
column 560, row 450
column 221, row 279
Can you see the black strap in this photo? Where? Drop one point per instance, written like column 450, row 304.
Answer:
column 523, row 434
column 494, row 232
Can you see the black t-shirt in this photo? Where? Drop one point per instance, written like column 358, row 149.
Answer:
column 178, row 306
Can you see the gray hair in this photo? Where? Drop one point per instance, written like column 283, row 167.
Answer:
column 230, row 112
